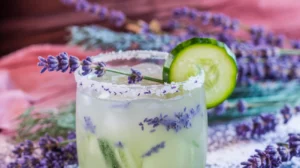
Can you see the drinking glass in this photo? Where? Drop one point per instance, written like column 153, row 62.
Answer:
column 144, row 125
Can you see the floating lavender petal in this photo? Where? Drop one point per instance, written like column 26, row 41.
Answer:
column 89, row 126
column 154, row 149
column 241, row 106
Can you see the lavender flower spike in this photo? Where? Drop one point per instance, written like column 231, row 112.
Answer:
column 63, row 60
column 135, row 77
column 62, row 63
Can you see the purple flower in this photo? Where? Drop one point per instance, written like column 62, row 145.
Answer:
column 297, row 109
column 284, row 153
column 205, row 18
column 193, row 14
column 74, row 63
column 63, row 62
column 18, row 150
column 220, row 109
column 217, row 19
column 258, row 127
column 242, row 130
column 71, row 135
column 87, row 66
column 295, row 44
column 294, row 144
column 234, row 24
column 182, row 120
column 141, row 125
column 135, row 77
column 272, row 156
column 279, row 40
column 270, row 122
column 100, row 69
column 177, row 12
column 145, row 28
column 89, row 126
column 103, row 13
column 28, row 147
column 117, row 18
column 119, row 144
column 54, row 153
column 154, row 149
column 241, row 106
column 68, row 2
column 286, row 112
column 82, row 5
column 50, row 64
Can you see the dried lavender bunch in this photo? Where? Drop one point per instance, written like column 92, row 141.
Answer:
column 63, row 62
column 49, row 152
column 274, row 156
column 264, row 123
column 116, row 17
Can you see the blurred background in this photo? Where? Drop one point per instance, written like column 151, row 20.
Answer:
column 31, row 22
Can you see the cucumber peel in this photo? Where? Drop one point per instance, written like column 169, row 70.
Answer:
column 214, row 57
column 108, row 153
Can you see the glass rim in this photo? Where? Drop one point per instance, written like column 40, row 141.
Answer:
column 135, row 89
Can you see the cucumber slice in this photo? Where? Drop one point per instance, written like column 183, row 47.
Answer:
column 125, row 158
column 214, row 57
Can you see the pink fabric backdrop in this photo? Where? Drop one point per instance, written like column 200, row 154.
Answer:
column 22, row 85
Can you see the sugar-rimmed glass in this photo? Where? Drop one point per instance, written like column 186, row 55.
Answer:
column 142, row 125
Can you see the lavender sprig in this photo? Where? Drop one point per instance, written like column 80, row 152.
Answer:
column 63, row 62
column 274, row 156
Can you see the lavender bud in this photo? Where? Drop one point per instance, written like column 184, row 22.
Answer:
column 286, row 112
column 241, row 106
column 135, row 77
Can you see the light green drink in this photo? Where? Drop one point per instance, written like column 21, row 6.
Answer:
column 145, row 125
